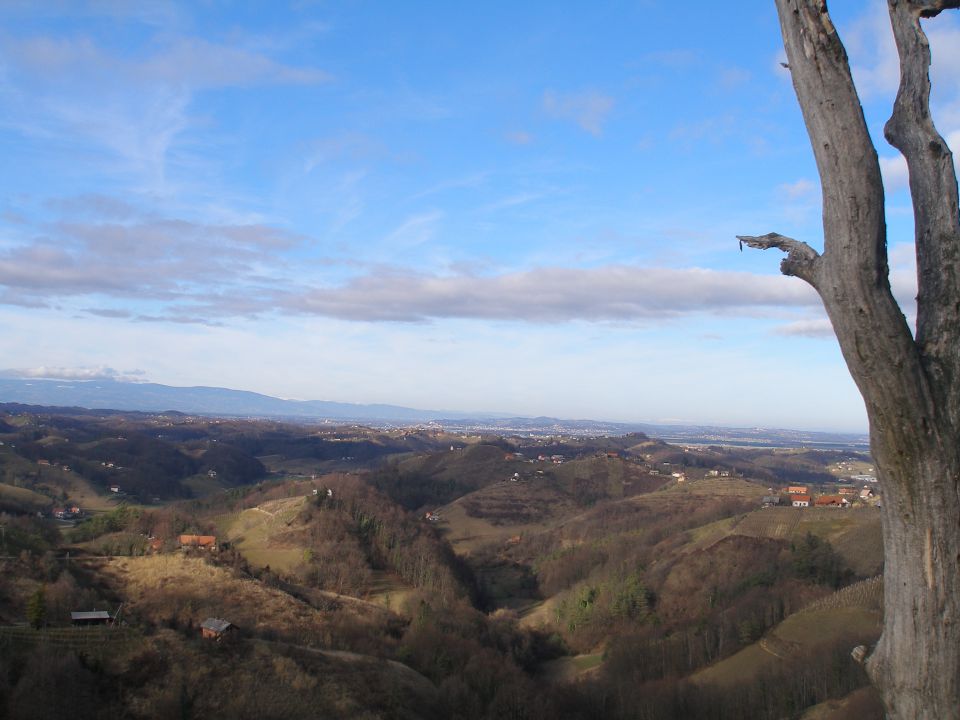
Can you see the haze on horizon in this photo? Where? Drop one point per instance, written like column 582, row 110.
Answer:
column 528, row 210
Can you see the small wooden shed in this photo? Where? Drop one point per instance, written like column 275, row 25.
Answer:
column 215, row 628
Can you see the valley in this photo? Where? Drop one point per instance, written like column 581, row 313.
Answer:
column 424, row 573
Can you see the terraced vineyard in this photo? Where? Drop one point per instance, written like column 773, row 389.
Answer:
column 777, row 523
column 96, row 641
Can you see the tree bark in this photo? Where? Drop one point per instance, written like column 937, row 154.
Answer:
column 910, row 385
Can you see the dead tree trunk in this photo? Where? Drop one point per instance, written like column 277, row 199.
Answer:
column 910, row 384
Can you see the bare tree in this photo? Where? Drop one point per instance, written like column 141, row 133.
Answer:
column 910, row 382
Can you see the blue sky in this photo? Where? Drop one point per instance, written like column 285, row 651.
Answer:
column 526, row 208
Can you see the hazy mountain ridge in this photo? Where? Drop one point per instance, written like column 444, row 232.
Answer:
column 154, row 397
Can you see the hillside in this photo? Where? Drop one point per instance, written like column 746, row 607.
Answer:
column 432, row 574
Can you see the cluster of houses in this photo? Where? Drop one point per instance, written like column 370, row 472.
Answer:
column 799, row 496
column 201, row 542
column 67, row 513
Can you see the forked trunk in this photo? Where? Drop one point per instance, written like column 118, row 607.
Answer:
column 910, row 384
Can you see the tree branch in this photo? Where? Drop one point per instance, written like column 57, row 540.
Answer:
column 932, row 8
column 801, row 259
column 933, row 188
column 851, row 275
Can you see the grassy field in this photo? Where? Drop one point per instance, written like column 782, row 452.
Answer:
column 203, row 485
column 537, row 506
column 253, row 533
column 541, row 614
column 22, row 497
column 799, row 633
column 189, row 590
column 97, row 641
column 571, row 667
column 862, row 704
column 87, row 496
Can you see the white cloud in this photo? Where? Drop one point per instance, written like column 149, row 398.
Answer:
column 815, row 328
column 143, row 258
column 589, row 109
column 616, row 292
column 100, row 372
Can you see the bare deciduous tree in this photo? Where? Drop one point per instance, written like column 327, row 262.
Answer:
column 910, row 382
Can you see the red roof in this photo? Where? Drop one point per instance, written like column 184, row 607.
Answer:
column 199, row 540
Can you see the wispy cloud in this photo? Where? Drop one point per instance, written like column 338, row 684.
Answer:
column 588, row 109
column 416, row 230
column 133, row 108
column 798, row 189
column 518, row 137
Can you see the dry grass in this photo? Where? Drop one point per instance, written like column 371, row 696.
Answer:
column 797, row 635
column 22, row 497
column 391, row 591
column 542, row 614
column 774, row 522
column 87, row 496
column 867, row 594
column 716, row 488
column 467, row 533
column 254, row 533
column 571, row 668
column 187, row 590
column 862, row 704
column 203, row 485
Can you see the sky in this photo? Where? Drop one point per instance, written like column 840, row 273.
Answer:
column 528, row 208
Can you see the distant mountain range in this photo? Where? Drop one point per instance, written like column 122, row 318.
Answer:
column 222, row 402
column 152, row 397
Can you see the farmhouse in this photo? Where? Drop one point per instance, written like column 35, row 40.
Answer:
column 770, row 500
column 832, row 501
column 800, row 501
column 797, row 490
column 215, row 628
column 205, row 542
column 91, row 617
